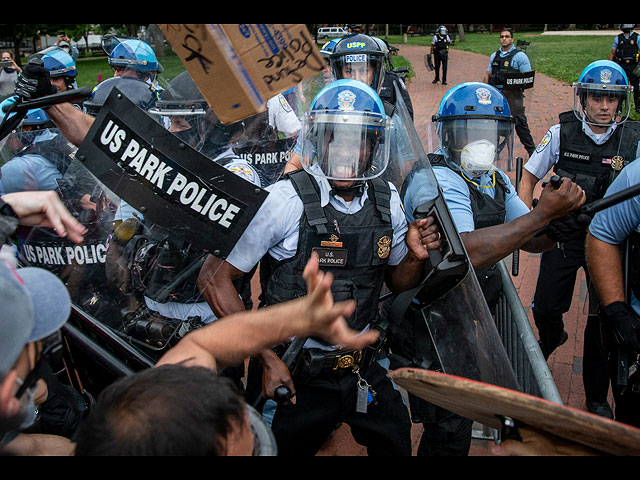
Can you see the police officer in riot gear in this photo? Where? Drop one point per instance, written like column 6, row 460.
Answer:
column 440, row 51
column 388, row 91
column 590, row 145
column 475, row 128
column 61, row 66
column 338, row 208
column 612, row 257
column 509, row 59
column 624, row 52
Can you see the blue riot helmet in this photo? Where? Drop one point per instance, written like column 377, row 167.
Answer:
column 345, row 134
column 475, row 128
column 131, row 57
column 602, row 95
column 328, row 48
column 359, row 57
column 136, row 90
column 37, row 119
column 59, row 64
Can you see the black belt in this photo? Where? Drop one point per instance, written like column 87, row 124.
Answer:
column 344, row 359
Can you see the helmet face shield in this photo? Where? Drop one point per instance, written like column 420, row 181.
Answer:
column 602, row 105
column 348, row 146
column 476, row 145
column 602, row 95
column 365, row 67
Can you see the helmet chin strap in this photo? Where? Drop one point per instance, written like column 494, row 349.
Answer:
column 355, row 190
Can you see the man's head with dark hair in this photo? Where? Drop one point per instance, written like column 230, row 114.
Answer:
column 167, row 410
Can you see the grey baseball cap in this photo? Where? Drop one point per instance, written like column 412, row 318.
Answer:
column 34, row 303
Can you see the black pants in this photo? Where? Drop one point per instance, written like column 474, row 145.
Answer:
column 330, row 398
column 445, row 434
column 438, row 61
column 554, row 291
column 524, row 133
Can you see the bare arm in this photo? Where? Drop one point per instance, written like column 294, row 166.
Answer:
column 604, row 262
column 527, row 185
column 228, row 341
column 73, row 123
column 215, row 281
column 488, row 246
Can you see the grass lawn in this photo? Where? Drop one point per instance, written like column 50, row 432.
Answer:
column 559, row 57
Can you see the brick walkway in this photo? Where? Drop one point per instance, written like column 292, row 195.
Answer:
column 551, row 98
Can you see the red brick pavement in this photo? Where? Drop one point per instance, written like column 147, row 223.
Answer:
column 550, row 99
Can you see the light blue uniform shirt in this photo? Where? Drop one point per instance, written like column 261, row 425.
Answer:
column 275, row 228
column 457, row 196
column 520, row 60
column 28, row 173
column 615, row 224
column 548, row 151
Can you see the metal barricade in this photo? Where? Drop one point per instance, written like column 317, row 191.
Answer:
column 529, row 365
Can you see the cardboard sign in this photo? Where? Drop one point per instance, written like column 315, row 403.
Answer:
column 171, row 184
column 239, row 67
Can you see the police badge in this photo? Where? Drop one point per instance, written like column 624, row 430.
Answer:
column 484, row 96
column 384, row 247
column 605, row 76
column 346, row 101
column 617, row 163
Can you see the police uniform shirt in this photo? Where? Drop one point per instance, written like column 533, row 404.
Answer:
column 615, row 224
column 28, row 173
column 282, row 117
column 436, row 38
column 455, row 190
column 547, row 153
column 274, row 229
column 614, row 46
column 520, row 60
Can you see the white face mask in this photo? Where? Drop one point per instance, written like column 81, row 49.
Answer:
column 477, row 158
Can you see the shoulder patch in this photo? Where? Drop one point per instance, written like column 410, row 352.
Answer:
column 544, row 142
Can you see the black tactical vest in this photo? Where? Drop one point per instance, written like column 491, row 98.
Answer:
column 441, row 45
column 501, row 67
column 487, row 212
column 354, row 248
column 627, row 51
column 594, row 167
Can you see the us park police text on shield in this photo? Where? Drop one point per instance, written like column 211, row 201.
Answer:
column 171, row 184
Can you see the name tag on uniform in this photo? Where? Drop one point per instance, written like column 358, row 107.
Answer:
column 331, row 257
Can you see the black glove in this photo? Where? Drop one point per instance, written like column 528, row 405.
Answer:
column 34, row 82
column 570, row 227
column 625, row 324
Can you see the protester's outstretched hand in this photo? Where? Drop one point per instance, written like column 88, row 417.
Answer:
column 322, row 317
column 45, row 209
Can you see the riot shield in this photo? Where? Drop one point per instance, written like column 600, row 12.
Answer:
column 519, row 88
column 155, row 209
column 449, row 302
column 263, row 141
